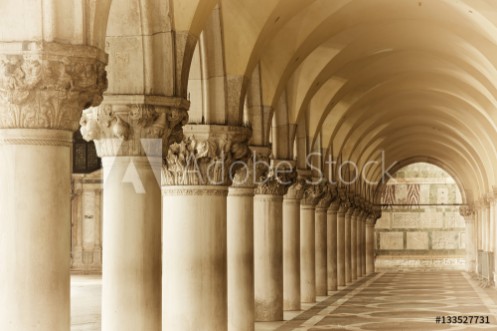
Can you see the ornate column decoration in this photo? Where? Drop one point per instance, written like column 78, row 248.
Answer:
column 296, row 190
column 47, row 85
column 44, row 86
column 135, row 126
column 205, row 156
column 195, row 177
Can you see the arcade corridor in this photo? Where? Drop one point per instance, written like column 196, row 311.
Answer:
column 223, row 165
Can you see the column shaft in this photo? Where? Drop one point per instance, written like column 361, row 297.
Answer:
column 363, row 249
column 320, row 245
column 291, row 254
column 332, row 249
column 307, row 253
column 341, row 278
column 268, row 257
column 240, row 244
column 353, row 245
column 348, row 245
column 35, row 213
column 471, row 252
column 359, row 246
column 132, row 251
column 194, row 289
column 370, row 247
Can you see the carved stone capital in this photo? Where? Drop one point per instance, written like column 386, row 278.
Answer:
column 334, row 206
column 137, row 129
column 255, row 166
column 276, row 181
column 329, row 194
column 466, row 211
column 312, row 195
column 205, row 155
column 296, row 191
column 377, row 211
column 47, row 85
column 345, row 204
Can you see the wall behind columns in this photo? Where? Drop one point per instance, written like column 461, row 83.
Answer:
column 86, row 223
column 427, row 234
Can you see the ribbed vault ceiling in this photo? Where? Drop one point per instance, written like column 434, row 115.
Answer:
column 416, row 79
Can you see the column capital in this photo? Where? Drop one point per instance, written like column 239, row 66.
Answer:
column 255, row 165
column 277, row 179
column 329, row 194
column 312, row 195
column 205, row 155
column 120, row 128
column 296, row 190
column 467, row 211
column 334, row 206
column 47, row 85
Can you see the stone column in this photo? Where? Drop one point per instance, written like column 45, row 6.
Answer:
column 291, row 246
column 44, row 87
column 370, row 221
column 196, row 175
column 307, row 243
column 471, row 251
column 363, row 243
column 321, row 233
column 240, row 228
column 364, row 224
column 268, row 248
column 348, row 245
column 354, row 229
column 129, row 137
column 332, row 245
column 240, row 246
column 359, row 244
column 341, row 244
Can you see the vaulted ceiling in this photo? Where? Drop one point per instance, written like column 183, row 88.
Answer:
column 352, row 78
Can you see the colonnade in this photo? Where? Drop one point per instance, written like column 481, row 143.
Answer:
column 481, row 233
column 185, row 246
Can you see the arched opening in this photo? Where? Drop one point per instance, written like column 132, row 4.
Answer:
column 421, row 227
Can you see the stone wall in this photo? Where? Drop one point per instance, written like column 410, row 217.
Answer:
column 420, row 227
column 86, row 223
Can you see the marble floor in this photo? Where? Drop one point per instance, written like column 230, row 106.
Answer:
column 386, row 301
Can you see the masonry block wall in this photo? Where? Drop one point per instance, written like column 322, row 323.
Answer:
column 421, row 226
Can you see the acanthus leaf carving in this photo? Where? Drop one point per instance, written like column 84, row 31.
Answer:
column 275, row 182
column 251, row 168
column 329, row 195
column 131, row 129
column 296, row 191
column 205, row 159
column 312, row 195
column 49, row 88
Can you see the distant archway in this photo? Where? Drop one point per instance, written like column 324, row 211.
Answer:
column 421, row 227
